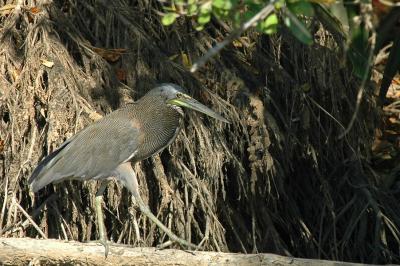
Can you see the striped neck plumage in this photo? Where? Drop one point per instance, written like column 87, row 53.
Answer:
column 160, row 122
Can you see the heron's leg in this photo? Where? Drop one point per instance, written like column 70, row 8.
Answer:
column 100, row 217
column 129, row 177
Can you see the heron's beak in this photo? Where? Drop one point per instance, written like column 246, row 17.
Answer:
column 188, row 102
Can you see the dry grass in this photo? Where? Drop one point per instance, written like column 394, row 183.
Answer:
column 277, row 179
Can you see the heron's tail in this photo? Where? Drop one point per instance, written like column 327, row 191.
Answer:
column 36, row 182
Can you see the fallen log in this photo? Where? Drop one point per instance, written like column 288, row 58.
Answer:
column 24, row 251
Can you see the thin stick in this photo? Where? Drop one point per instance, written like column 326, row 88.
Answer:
column 263, row 13
column 64, row 232
column 3, row 209
column 206, row 234
column 29, row 218
column 24, row 224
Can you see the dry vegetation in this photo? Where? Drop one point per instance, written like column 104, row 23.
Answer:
column 278, row 179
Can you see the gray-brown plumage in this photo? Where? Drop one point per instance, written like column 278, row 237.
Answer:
column 105, row 148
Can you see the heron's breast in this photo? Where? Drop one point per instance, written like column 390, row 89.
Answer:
column 158, row 132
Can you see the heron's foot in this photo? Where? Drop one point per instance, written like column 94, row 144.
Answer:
column 175, row 239
column 100, row 219
column 164, row 245
column 104, row 243
column 106, row 246
column 182, row 242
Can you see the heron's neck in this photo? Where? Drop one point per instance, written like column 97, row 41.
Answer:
column 160, row 125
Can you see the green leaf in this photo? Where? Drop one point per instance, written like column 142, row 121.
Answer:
column 168, row 19
column 269, row 25
column 301, row 8
column 339, row 11
column 204, row 18
column 199, row 27
column 329, row 20
column 205, row 13
column 222, row 4
column 279, row 4
column 297, row 28
column 192, row 10
column 220, row 13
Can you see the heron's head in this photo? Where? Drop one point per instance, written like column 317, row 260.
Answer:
column 176, row 96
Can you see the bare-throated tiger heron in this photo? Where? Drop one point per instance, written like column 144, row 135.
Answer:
column 107, row 147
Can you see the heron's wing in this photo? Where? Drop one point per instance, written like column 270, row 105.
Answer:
column 47, row 161
column 95, row 152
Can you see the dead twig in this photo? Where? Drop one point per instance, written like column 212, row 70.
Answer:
column 14, row 202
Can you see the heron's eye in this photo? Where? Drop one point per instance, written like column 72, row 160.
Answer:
column 179, row 95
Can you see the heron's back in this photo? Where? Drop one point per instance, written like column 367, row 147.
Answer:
column 135, row 132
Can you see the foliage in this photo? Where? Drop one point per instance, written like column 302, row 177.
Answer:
column 351, row 20
column 238, row 12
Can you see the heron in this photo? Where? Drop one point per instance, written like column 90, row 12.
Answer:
column 108, row 147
